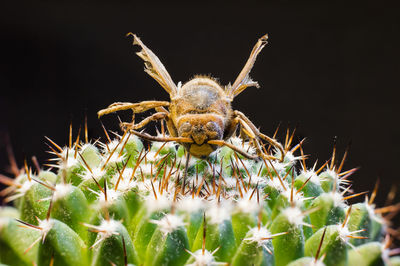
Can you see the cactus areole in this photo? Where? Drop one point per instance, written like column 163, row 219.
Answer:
column 117, row 203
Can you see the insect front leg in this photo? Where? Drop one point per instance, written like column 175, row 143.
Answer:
column 149, row 137
column 135, row 107
column 250, row 130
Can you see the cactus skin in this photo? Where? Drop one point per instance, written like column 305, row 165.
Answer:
column 119, row 203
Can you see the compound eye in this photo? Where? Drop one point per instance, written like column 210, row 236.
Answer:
column 185, row 127
column 212, row 126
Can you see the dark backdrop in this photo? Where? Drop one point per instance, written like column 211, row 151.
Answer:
column 331, row 68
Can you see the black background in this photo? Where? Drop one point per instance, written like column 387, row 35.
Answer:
column 330, row 67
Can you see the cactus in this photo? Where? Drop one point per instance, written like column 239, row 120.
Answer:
column 119, row 203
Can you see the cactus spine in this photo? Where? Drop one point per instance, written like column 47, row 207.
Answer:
column 118, row 203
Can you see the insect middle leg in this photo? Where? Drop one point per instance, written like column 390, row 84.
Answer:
column 250, row 130
column 233, row 147
column 154, row 117
column 170, row 125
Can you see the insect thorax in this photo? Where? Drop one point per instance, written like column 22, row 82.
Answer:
column 202, row 95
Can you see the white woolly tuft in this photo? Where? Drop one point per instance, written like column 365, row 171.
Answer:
column 169, row 223
column 25, row 186
column 260, row 236
column 112, row 196
column 341, row 184
column 46, row 225
column 332, row 173
column 126, row 174
column 294, row 215
column 71, row 161
column 206, row 259
column 88, row 145
column 238, row 142
column 275, row 183
column 247, row 163
column 115, row 158
column 230, row 182
column 146, row 168
column 219, row 212
column 279, row 167
column 338, row 200
column 317, row 263
column 297, row 198
column 145, row 188
column 112, row 145
column 255, row 179
column 106, row 229
column 61, row 191
column 247, row 205
column 159, row 204
column 125, row 185
column 343, row 232
column 311, row 173
column 151, row 156
column 290, row 158
column 371, row 211
column 190, row 205
column 97, row 173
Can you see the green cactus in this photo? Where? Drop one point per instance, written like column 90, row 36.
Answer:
column 118, row 203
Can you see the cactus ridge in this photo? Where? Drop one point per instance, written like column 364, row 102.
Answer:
column 122, row 203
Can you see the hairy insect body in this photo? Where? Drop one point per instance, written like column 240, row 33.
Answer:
column 201, row 111
column 199, row 115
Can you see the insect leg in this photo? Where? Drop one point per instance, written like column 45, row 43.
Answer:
column 170, row 125
column 155, row 117
column 233, row 147
column 247, row 126
column 161, row 139
column 135, row 107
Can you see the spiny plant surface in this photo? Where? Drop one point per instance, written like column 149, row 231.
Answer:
column 120, row 203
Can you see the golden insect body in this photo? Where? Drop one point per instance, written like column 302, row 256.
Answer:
column 199, row 115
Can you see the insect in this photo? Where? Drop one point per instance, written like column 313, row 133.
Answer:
column 199, row 115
